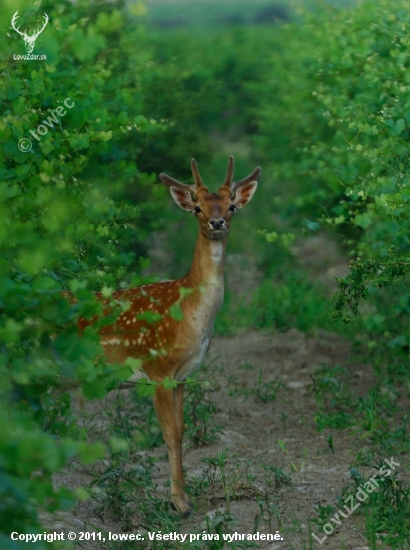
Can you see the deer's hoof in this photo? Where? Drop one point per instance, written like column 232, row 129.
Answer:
column 183, row 507
column 189, row 510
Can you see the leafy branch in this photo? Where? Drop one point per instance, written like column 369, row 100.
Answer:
column 362, row 274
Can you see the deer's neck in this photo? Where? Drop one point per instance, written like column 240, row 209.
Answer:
column 206, row 277
column 208, row 264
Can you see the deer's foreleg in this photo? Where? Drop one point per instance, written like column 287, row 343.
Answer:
column 169, row 407
column 179, row 410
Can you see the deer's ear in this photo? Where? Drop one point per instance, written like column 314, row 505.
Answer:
column 183, row 198
column 244, row 194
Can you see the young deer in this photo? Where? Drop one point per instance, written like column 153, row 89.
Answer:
column 170, row 347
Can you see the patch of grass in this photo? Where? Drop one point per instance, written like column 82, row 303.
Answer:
column 122, row 485
column 118, row 487
column 127, row 416
column 275, row 477
column 268, row 511
column 199, row 411
column 339, row 420
column 324, row 512
column 333, row 395
column 236, row 477
column 384, row 503
column 387, row 514
column 265, row 391
column 289, row 302
column 330, row 387
column 377, row 417
column 292, row 463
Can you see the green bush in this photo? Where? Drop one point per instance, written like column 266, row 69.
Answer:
column 75, row 211
column 335, row 120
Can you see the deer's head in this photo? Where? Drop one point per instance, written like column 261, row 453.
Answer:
column 214, row 211
column 29, row 41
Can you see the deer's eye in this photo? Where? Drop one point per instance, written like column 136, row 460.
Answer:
column 197, row 209
column 232, row 208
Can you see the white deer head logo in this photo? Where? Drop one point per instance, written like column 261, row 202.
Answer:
column 29, row 41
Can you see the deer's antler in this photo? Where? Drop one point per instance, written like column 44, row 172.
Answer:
column 234, row 185
column 228, row 183
column 195, row 172
column 229, row 173
column 170, row 182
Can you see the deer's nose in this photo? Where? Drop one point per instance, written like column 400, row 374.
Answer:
column 217, row 224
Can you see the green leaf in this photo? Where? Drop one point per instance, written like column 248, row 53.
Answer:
column 125, row 373
column 311, row 225
column 119, row 444
column 150, row 317
column 363, row 220
column 183, row 291
column 330, row 442
column 287, row 239
column 79, row 141
column 89, row 453
column 270, row 237
column 176, row 312
column 399, row 126
column 87, row 46
column 145, row 388
column 105, row 136
column 81, row 493
column 169, row 383
column 133, row 364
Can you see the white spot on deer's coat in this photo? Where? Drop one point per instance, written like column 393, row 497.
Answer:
column 110, row 342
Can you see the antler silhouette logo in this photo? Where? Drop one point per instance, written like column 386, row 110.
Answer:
column 29, row 41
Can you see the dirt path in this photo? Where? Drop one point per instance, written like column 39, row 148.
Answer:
column 253, row 427
column 245, row 471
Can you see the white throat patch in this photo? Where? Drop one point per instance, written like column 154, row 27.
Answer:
column 217, row 251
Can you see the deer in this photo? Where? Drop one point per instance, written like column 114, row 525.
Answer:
column 170, row 347
column 29, row 41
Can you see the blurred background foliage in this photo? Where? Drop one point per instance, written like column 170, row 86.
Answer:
column 318, row 95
